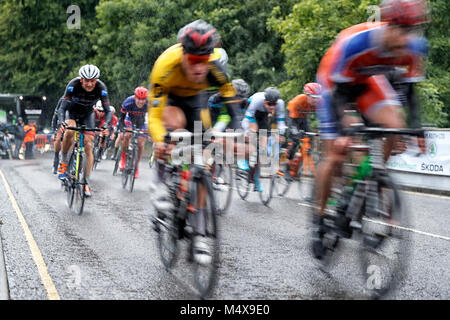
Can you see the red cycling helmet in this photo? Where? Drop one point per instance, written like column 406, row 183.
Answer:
column 404, row 12
column 198, row 38
column 140, row 92
column 312, row 89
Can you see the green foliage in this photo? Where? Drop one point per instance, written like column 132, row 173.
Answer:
column 269, row 43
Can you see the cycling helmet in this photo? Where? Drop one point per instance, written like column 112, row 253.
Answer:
column 223, row 56
column 112, row 109
column 241, row 87
column 89, row 71
column 271, row 94
column 404, row 12
column 198, row 38
column 99, row 106
column 312, row 89
column 141, row 92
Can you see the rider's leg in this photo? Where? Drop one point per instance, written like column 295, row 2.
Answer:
column 380, row 104
column 88, row 146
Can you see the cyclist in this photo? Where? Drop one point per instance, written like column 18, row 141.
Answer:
column 299, row 108
column 133, row 112
column 80, row 96
column 57, row 136
column 219, row 114
column 178, row 77
column 352, row 71
column 100, row 120
column 265, row 111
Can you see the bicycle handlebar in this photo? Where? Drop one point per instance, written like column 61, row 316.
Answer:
column 377, row 131
column 83, row 129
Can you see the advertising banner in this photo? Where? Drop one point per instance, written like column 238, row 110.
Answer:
column 435, row 161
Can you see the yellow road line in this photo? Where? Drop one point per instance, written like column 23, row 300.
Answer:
column 52, row 293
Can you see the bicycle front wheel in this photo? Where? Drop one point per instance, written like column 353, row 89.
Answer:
column 116, row 163
column 267, row 187
column 134, row 163
column 242, row 183
column 69, row 182
column 205, row 273
column 79, row 184
column 386, row 241
column 126, row 171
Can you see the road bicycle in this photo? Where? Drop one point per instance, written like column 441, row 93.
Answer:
column 366, row 205
column 264, row 172
column 184, row 181
column 75, row 182
column 303, row 164
column 131, row 163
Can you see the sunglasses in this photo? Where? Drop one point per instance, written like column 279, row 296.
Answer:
column 271, row 104
column 195, row 59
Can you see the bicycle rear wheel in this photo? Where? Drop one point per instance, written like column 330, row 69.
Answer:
column 282, row 182
column 386, row 243
column 78, row 184
column 205, row 274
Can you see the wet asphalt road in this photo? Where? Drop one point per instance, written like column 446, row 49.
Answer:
column 110, row 251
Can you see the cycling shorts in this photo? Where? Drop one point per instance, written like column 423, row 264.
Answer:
column 87, row 119
column 193, row 110
column 370, row 96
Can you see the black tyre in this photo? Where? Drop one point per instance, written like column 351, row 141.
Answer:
column 386, row 244
column 168, row 237
column 205, row 275
column 79, row 183
column 68, row 184
column 134, row 163
column 126, row 171
column 267, row 180
column 223, row 187
column 242, row 183
column 282, row 182
column 116, row 163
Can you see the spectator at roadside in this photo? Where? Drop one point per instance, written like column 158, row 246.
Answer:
column 19, row 136
column 30, row 135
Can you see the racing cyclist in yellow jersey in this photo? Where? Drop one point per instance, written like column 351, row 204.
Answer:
column 178, row 77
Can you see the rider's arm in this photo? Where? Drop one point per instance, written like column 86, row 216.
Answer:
column 414, row 112
column 65, row 103
column 104, row 98
column 281, row 124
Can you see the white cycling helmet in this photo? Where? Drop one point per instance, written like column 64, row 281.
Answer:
column 89, row 71
column 241, row 87
column 99, row 106
column 223, row 57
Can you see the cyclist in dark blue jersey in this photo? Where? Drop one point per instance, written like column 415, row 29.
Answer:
column 79, row 99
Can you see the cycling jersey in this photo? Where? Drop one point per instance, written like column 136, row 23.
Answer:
column 55, row 115
column 356, row 59
column 168, row 82
column 100, row 120
column 299, row 107
column 134, row 114
column 257, row 113
column 219, row 113
column 80, row 102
